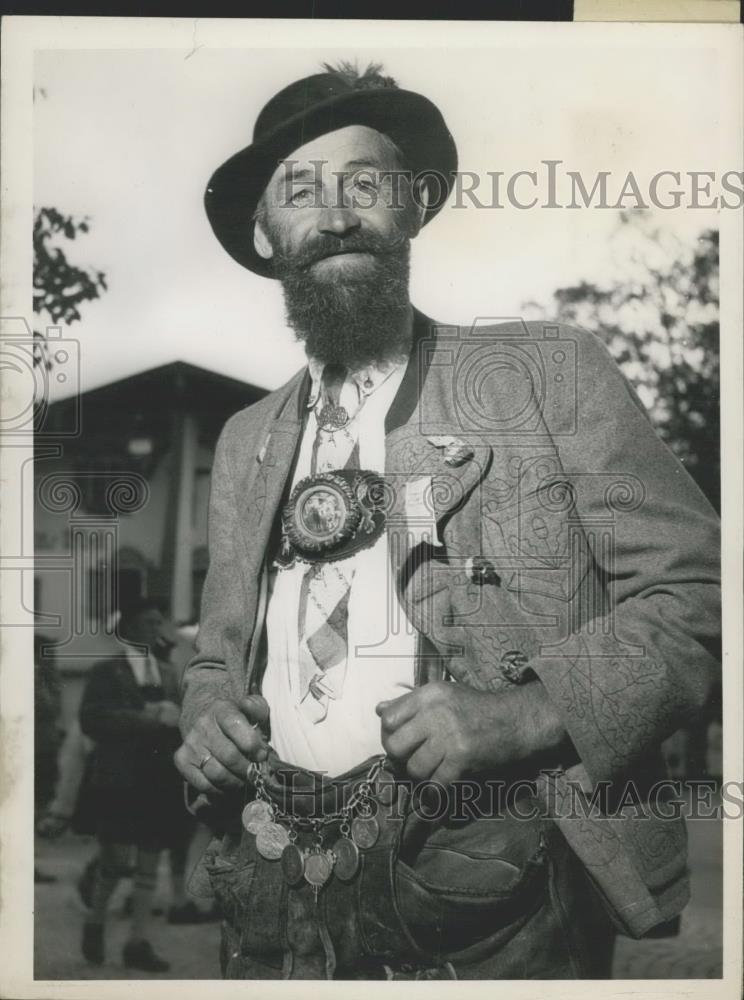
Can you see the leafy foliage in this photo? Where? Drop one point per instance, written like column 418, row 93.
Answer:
column 60, row 287
column 660, row 321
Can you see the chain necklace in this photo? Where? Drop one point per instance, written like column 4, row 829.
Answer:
column 332, row 417
column 276, row 831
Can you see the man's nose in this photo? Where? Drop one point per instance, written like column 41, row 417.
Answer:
column 338, row 220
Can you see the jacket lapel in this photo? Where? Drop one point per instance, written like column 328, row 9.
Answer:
column 426, row 488
column 271, row 456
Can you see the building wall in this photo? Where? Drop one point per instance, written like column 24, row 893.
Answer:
column 62, row 585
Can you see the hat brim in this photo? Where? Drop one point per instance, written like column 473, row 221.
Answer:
column 413, row 123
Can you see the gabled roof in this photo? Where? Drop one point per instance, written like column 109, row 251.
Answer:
column 173, row 377
column 149, row 400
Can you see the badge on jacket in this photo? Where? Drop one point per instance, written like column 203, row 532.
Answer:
column 455, row 451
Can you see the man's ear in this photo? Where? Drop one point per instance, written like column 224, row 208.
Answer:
column 420, row 196
column 261, row 242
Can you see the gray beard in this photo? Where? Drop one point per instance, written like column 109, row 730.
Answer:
column 352, row 320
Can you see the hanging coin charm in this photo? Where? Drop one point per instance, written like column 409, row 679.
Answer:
column 293, row 864
column 257, row 814
column 271, row 841
column 364, row 831
column 346, row 854
column 318, row 867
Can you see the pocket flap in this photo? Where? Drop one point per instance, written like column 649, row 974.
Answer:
column 485, row 857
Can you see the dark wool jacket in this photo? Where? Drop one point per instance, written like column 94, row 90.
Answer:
column 603, row 563
column 128, row 742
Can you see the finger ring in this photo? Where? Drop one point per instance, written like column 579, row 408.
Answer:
column 204, row 760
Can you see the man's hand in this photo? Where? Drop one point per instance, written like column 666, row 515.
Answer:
column 224, row 740
column 444, row 731
column 52, row 825
column 168, row 713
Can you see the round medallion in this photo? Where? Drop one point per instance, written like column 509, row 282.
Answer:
column 347, row 859
column 256, row 814
column 332, row 418
column 321, row 514
column 364, row 831
column 293, row 863
column 318, row 868
column 271, row 840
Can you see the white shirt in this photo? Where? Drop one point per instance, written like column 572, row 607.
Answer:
column 381, row 640
column 145, row 668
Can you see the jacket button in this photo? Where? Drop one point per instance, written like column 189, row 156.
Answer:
column 512, row 666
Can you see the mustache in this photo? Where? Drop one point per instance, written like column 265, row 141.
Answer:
column 327, row 245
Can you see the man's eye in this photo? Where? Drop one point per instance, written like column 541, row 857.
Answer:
column 365, row 183
column 302, row 198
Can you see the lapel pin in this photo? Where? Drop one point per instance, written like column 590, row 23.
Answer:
column 455, row 455
column 455, row 451
column 481, row 571
column 262, row 453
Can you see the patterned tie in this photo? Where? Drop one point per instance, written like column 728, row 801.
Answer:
column 324, row 593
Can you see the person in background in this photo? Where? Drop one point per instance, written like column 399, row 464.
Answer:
column 72, row 806
column 130, row 710
column 47, row 731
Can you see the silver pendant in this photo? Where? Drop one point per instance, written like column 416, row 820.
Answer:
column 318, row 868
column 271, row 840
column 332, row 418
column 257, row 814
column 364, row 831
column 293, row 864
column 346, row 853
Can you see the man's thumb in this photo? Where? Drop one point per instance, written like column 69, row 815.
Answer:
column 255, row 708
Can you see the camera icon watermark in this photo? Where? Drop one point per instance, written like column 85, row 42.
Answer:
column 27, row 381
column 503, row 376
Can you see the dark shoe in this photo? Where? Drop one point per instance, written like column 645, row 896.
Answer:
column 189, row 913
column 43, row 878
column 93, row 943
column 139, row 955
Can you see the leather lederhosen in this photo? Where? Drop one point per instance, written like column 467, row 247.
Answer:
column 426, row 893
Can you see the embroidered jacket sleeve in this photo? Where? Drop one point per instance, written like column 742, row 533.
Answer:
column 222, row 611
column 661, row 575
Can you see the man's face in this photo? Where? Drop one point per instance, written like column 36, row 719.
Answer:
column 336, row 219
column 145, row 628
column 334, row 198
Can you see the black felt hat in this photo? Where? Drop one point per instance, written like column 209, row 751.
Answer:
column 310, row 108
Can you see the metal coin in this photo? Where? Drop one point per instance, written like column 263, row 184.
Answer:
column 271, row 840
column 318, row 868
column 257, row 814
column 293, row 863
column 364, row 831
column 347, row 859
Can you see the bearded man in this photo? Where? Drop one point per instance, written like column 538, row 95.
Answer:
column 458, row 590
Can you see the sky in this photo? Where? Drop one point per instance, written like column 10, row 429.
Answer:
column 129, row 138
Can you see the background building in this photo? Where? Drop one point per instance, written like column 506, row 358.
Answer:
column 122, row 490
